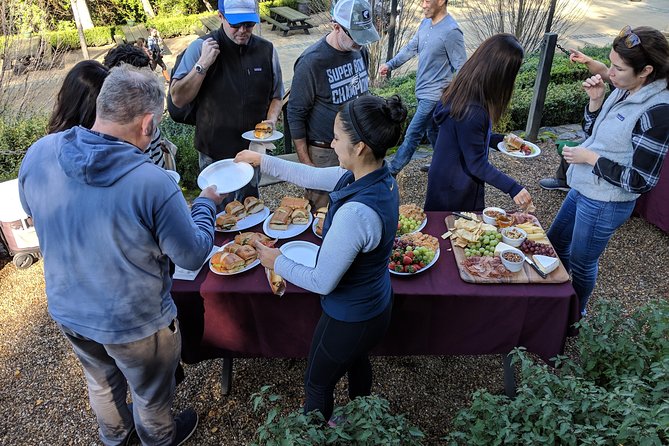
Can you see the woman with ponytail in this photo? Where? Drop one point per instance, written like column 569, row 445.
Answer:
column 622, row 157
column 351, row 273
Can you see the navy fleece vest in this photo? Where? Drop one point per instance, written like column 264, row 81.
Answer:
column 364, row 291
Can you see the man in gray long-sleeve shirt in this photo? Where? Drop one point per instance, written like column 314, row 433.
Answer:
column 329, row 73
column 440, row 46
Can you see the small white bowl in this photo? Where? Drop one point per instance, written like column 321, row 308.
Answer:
column 517, row 241
column 491, row 220
column 514, row 267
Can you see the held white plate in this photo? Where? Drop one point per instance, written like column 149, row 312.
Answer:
column 428, row 266
column 536, row 151
column 301, row 252
column 273, row 137
column 253, row 264
column 292, row 230
column 313, row 227
column 227, row 175
column 246, row 222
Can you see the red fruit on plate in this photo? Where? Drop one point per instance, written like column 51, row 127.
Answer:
column 391, row 265
column 416, row 268
column 421, row 264
column 407, row 260
column 410, row 254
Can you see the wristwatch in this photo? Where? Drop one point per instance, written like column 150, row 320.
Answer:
column 199, row 69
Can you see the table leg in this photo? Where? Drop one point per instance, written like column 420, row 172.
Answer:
column 226, row 376
column 509, row 377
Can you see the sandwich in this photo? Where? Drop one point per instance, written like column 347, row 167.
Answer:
column 248, row 238
column 232, row 247
column 276, row 282
column 235, row 208
column 227, row 262
column 299, row 216
column 247, row 253
column 253, row 205
column 515, row 143
column 225, row 222
column 321, row 212
column 263, row 130
column 281, row 218
column 295, row 203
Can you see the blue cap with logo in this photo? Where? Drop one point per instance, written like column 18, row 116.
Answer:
column 238, row 11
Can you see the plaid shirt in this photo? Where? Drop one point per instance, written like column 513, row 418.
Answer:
column 650, row 142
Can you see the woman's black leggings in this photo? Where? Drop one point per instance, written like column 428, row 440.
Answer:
column 338, row 348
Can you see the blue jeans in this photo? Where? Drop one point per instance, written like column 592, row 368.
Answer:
column 580, row 232
column 240, row 194
column 421, row 123
column 147, row 366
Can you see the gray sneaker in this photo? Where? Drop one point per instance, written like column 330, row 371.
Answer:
column 554, row 184
column 186, row 423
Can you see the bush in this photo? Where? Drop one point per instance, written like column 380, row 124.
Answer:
column 264, row 6
column 182, row 136
column 15, row 138
column 176, row 26
column 367, row 421
column 97, row 36
column 616, row 394
column 173, row 8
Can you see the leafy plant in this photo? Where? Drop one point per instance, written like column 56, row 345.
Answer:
column 182, row 136
column 363, row 421
column 15, row 138
column 616, row 394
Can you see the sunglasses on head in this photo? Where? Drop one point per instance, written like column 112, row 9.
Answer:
column 630, row 39
column 246, row 25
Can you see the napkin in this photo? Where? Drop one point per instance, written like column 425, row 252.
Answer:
column 261, row 147
column 276, row 282
column 186, row 274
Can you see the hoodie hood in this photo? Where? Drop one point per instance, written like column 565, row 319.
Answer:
column 96, row 159
column 441, row 112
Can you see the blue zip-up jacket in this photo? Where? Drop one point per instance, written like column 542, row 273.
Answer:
column 365, row 291
column 108, row 221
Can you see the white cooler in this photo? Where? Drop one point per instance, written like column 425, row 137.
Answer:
column 16, row 228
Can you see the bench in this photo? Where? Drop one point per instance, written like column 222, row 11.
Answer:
column 27, row 53
column 132, row 33
column 210, row 23
column 276, row 24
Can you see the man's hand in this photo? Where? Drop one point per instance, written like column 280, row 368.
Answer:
column 266, row 254
column 209, row 53
column 302, row 150
column 383, row 70
column 248, row 156
column 271, row 122
column 210, row 192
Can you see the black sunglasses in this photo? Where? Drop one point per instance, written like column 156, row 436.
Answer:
column 246, row 25
column 631, row 39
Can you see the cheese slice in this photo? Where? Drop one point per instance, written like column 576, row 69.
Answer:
column 545, row 263
column 501, row 246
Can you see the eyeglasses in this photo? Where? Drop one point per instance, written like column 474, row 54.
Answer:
column 247, row 25
column 631, row 39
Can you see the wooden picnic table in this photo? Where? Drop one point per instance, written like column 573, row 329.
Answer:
column 132, row 33
column 287, row 19
column 210, row 23
column 27, row 53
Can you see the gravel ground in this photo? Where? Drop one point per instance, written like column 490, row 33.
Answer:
column 43, row 399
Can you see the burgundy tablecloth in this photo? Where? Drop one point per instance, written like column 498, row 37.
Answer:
column 654, row 205
column 434, row 313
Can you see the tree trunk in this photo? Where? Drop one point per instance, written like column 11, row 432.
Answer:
column 207, row 5
column 80, row 28
column 148, row 9
column 82, row 16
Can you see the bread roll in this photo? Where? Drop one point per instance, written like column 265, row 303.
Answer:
column 263, row 130
column 226, row 222
column 299, row 217
column 281, row 218
column 235, row 208
column 295, row 203
column 227, row 262
column 253, row 205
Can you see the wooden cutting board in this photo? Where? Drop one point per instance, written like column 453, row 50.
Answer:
column 525, row 275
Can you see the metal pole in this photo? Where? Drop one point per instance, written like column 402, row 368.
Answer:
column 541, row 86
column 551, row 13
column 392, row 26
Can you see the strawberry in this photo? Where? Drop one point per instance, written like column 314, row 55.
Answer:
column 411, row 269
column 407, row 260
column 399, row 268
column 391, row 265
column 410, row 254
column 421, row 264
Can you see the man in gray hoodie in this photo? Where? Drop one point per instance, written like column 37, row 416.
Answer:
column 440, row 46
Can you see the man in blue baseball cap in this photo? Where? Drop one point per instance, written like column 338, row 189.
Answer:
column 234, row 77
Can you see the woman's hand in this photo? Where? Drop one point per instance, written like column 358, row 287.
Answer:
column 248, row 156
column 523, row 198
column 266, row 254
column 578, row 57
column 595, row 88
column 579, row 155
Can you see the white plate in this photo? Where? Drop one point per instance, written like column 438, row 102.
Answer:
column 227, row 175
column 175, row 175
column 536, row 151
column 246, row 222
column 429, row 265
column 313, row 227
column 256, row 262
column 273, row 137
column 301, row 252
column 292, row 230
column 421, row 226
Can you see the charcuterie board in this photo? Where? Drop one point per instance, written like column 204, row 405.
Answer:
column 525, row 275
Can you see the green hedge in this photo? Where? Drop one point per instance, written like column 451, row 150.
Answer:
column 15, row 138
column 264, row 6
column 98, row 36
column 176, row 26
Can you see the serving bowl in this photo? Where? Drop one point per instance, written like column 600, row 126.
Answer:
column 492, row 219
column 513, row 236
column 512, row 259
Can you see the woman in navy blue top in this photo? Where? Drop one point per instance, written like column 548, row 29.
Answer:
column 476, row 98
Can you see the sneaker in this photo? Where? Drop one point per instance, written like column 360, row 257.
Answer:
column 186, row 423
column 337, row 420
column 553, row 184
column 425, row 168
